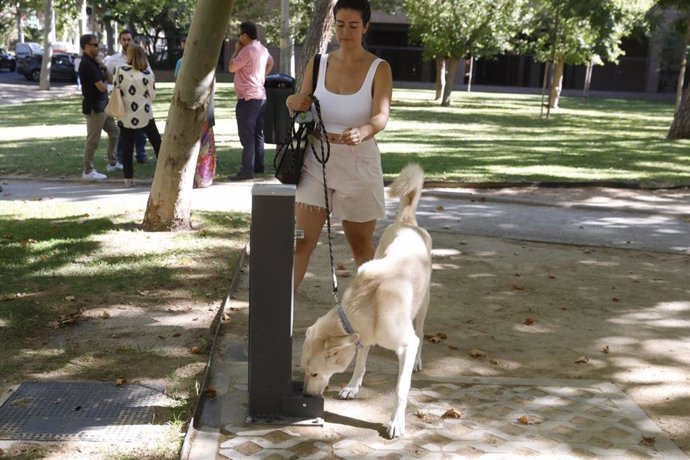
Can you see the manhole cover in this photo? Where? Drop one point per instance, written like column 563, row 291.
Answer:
column 83, row 411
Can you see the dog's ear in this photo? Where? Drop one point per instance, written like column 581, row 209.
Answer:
column 335, row 344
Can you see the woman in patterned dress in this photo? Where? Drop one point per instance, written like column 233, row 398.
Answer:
column 136, row 84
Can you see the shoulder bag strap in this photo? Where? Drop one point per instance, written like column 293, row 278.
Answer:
column 315, row 73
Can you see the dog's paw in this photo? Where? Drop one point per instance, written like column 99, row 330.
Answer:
column 348, row 393
column 417, row 365
column 396, row 428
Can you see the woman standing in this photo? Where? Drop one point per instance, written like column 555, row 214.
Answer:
column 354, row 88
column 207, row 160
column 136, row 84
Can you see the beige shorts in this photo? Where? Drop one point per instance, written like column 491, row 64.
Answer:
column 354, row 178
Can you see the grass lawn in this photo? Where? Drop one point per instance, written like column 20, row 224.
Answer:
column 87, row 295
column 483, row 137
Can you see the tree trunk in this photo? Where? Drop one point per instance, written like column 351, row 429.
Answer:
column 588, row 80
column 450, row 81
column 169, row 202
column 469, row 75
column 440, row 77
column 318, row 34
column 20, row 29
column 683, row 65
column 83, row 17
column 556, row 84
column 48, row 39
column 680, row 128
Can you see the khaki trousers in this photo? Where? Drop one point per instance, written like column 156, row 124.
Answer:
column 95, row 122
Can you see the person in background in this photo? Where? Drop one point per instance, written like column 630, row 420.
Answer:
column 207, row 160
column 250, row 63
column 136, row 84
column 113, row 62
column 95, row 92
column 354, row 88
column 77, row 61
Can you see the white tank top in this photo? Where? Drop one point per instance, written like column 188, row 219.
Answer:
column 342, row 111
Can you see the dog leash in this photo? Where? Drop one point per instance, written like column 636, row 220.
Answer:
column 325, row 155
column 323, row 159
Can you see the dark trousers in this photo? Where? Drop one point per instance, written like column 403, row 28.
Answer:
column 128, row 135
column 139, row 143
column 250, row 125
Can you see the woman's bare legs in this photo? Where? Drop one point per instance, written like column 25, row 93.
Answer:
column 309, row 219
column 360, row 236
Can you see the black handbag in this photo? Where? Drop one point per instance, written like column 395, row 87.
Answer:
column 290, row 154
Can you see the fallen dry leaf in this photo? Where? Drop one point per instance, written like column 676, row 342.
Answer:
column 176, row 334
column 528, row 322
column 442, row 335
column 340, row 266
column 70, row 298
column 342, row 273
column 451, row 413
column 582, row 360
column 435, row 338
column 474, row 353
column 452, row 347
column 226, row 317
column 552, row 277
column 605, row 349
column 211, row 392
column 196, row 349
column 105, row 315
column 494, row 361
column 120, row 382
column 648, row 441
column 615, row 299
column 523, row 420
column 440, row 207
column 143, row 293
column 517, row 287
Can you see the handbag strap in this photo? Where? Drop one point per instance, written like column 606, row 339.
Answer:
column 323, row 159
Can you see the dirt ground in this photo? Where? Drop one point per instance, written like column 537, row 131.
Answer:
column 535, row 310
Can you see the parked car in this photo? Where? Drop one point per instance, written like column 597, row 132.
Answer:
column 62, row 67
column 7, row 61
column 25, row 49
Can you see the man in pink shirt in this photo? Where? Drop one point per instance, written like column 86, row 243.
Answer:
column 250, row 63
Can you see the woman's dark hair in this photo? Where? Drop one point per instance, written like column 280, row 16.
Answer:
column 249, row 28
column 358, row 5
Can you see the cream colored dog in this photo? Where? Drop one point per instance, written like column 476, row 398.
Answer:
column 379, row 307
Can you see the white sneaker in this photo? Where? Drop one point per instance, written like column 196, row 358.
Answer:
column 93, row 175
column 116, row 167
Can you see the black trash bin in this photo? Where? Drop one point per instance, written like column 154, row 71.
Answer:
column 277, row 119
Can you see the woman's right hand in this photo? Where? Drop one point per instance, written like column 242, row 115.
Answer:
column 299, row 102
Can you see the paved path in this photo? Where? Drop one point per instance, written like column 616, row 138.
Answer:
column 633, row 219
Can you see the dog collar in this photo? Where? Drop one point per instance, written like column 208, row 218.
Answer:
column 346, row 324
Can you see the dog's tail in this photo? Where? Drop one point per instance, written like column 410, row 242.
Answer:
column 408, row 187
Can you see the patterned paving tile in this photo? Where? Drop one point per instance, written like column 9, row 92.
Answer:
column 500, row 418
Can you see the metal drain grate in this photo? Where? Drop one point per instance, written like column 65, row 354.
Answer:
column 78, row 411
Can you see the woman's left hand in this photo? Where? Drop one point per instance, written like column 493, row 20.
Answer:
column 351, row 136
